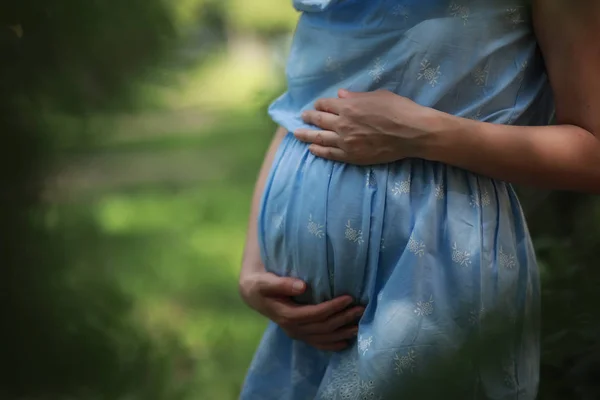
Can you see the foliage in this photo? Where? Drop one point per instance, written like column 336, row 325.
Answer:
column 262, row 17
column 70, row 334
column 566, row 232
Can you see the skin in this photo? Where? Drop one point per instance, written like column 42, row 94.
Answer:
column 381, row 127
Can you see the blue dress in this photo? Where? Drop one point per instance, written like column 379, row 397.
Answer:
column 427, row 247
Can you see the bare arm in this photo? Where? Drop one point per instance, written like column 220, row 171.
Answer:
column 564, row 157
column 326, row 326
column 251, row 261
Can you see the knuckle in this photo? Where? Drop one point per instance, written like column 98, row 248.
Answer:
column 348, row 109
column 355, row 110
column 351, row 143
column 319, row 138
column 332, row 325
column 344, row 127
column 285, row 321
column 352, row 315
column 349, row 317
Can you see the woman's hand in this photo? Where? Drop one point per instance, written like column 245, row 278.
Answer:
column 367, row 128
column 327, row 326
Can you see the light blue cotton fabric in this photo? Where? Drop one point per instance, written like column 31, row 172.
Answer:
column 428, row 248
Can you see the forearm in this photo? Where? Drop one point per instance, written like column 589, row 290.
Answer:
column 251, row 259
column 562, row 157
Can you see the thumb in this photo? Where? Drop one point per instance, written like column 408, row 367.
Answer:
column 274, row 285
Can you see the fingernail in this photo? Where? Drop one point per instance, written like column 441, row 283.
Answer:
column 298, row 286
column 359, row 313
column 304, row 115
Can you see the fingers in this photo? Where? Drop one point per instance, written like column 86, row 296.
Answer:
column 332, row 106
column 319, row 312
column 332, row 341
column 331, row 347
column 273, row 285
column 345, row 94
column 322, row 138
column 333, row 323
column 329, row 153
column 334, row 337
column 323, row 120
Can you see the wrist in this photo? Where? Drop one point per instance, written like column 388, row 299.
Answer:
column 247, row 277
column 437, row 135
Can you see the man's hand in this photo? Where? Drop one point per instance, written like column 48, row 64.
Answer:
column 327, row 326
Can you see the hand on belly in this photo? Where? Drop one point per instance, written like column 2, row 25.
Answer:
column 328, row 326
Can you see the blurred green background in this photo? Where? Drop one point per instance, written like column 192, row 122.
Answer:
column 132, row 135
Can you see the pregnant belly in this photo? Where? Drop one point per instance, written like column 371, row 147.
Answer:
column 346, row 229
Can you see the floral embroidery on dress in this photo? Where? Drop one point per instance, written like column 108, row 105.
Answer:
column 424, row 308
column 300, row 372
column 475, row 316
column 484, row 201
column 315, row 228
column 461, row 257
column 346, row 383
column 416, row 247
column 376, row 72
column 401, row 11
column 506, row 260
column 460, row 11
column 364, row 343
column 477, row 115
column 332, row 65
column 370, row 179
column 353, row 235
column 401, row 187
column 367, row 391
column 440, row 191
column 429, row 73
column 508, row 369
column 406, row 362
column 514, row 16
column 480, row 75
